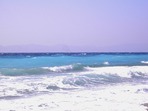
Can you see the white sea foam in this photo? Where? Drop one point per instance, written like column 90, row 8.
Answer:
column 144, row 62
column 114, row 98
column 122, row 71
column 59, row 68
column 66, row 68
column 106, row 63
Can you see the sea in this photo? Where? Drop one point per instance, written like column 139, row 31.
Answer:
column 73, row 81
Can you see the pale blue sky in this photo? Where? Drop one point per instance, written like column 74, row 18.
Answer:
column 74, row 25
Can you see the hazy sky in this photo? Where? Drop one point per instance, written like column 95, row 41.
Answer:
column 74, row 25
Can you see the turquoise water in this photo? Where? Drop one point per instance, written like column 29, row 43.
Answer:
column 26, row 60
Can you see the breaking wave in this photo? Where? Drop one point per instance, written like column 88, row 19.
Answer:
column 79, row 69
column 41, row 70
column 144, row 62
column 108, row 75
column 67, row 68
column 18, row 86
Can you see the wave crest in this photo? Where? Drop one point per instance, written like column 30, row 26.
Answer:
column 41, row 70
column 144, row 62
column 67, row 68
column 92, row 80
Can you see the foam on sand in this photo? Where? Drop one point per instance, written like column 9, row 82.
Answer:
column 122, row 71
column 113, row 98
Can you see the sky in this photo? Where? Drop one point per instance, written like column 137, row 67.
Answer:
column 73, row 25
